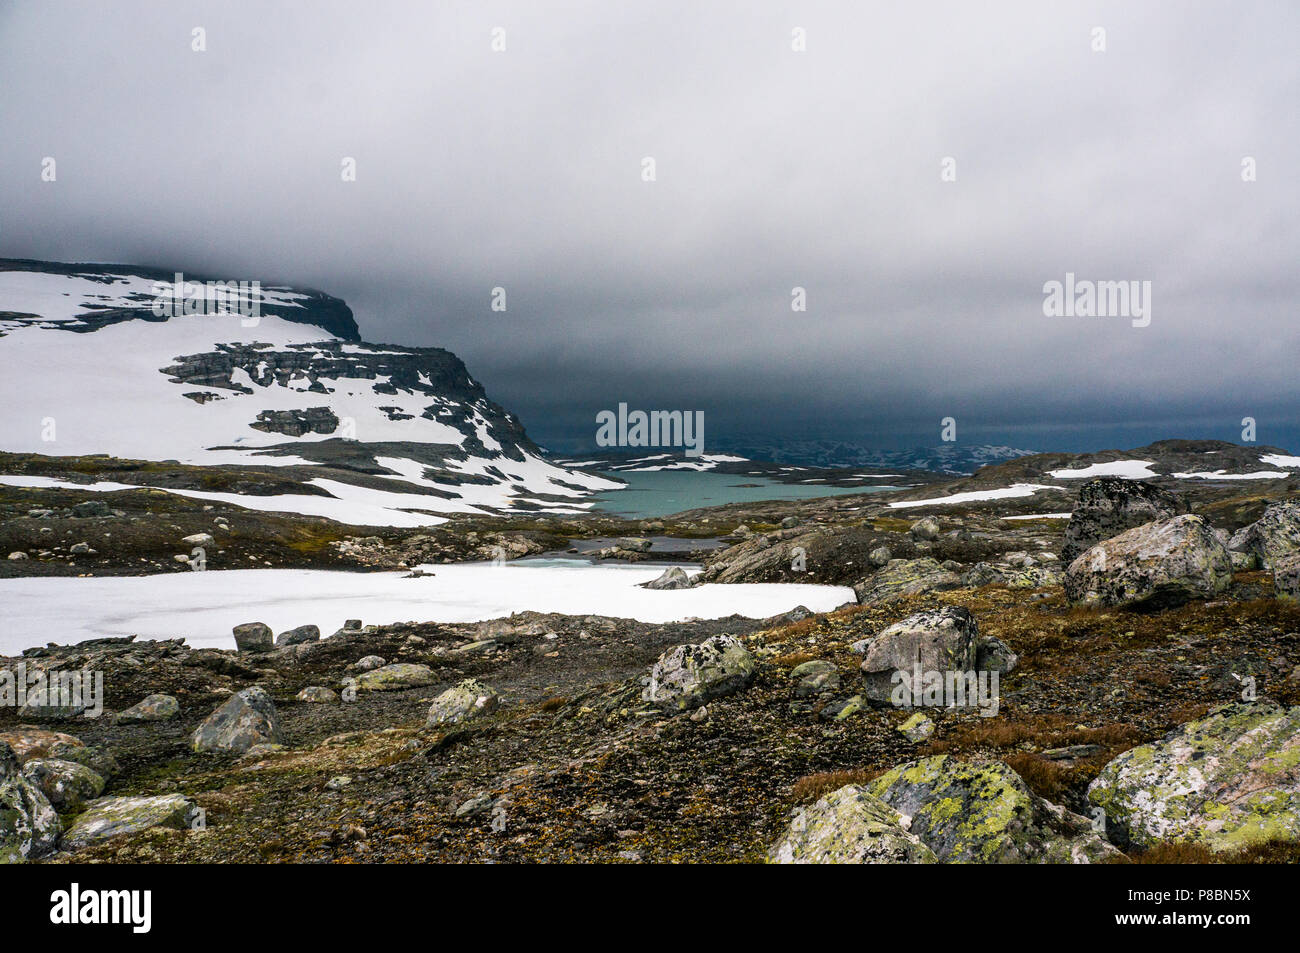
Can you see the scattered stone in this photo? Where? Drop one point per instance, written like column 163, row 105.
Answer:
column 152, row 708
column 98, row 759
column 89, row 508
column 298, row 636
column 1226, row 781
column 849, row 826
column 1153, row 566
column 399, row 675
column 81, row 549
column 318, row 694
column 370, row 662
column 674, row 578
column 688, row 676
column 635, row 544
column 938, row 640
column 253, row 637
column 199, row 539
column 905, row 577
column 462, row 702
column 338, row 782
column 880, row 556
column 815, row 678
column 994, row 655
column 17, row 555
column 790, row 522
column 917, row 728
column 114, row 816
column 28, row 741
column 926, row 528
column 247, row 718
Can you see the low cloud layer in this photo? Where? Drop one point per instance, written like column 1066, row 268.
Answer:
column 775, row 169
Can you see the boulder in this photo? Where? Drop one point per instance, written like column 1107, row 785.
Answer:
column 247, row 718
column 253, row 637
column 849, row 826
column 199, row 539
column 462, row 702
column 635, row 544
column 938, row 640
column 1225, row 781
column 926, row 528
column 90, row 508
column 917, row 728
column 29, row 826
column 1110, row 505
column 983, row 574
column 1152, row 566
column 368, row 663
column 880, row 556
column 985, row 814
column 905, row 577
column 388, row 678
column 298, row 636
column 42, row 704
column 150, row 708
column 688, row 676
column 674, row 578
column 1273, row 536
column 65, row 784
column 113, row 816
column 1286, row 576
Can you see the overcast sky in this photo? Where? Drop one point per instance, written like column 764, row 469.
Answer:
column 775, row 168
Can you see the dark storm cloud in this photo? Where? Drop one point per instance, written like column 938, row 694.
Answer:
column 775, row 169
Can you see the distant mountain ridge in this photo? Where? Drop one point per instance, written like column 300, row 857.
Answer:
column 951, row 458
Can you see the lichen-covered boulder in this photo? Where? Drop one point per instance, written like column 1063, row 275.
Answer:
column 300, row 635
column 984, row 814
column 253, row 637
column 917, row 728
column 65, row 784
column 112, row 816
column 994, row 655
column 1159, row 564
column 815, row 677
column 368, row 663
column 984, row 574
column 150, row 708
column 905, row 577
column 247, row 718
column 1286, row 576
column 938, row 640
column 44, row 704
column 1225, row 781
column 462, row 702
column 688, row 676
column 389, row 678
column 1273, row 536
column 849, row 826
column 29, row 826
column 1110, row 505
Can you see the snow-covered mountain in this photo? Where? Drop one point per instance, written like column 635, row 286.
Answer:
column 102, row 359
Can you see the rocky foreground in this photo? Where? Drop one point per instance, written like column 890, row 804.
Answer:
column 1146, row 708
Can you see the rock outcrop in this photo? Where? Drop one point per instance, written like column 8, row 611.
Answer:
column 688, row 676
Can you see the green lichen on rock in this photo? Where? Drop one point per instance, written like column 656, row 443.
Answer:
column 462, row 702
column 983, row 813
column 110, row 816
column 905, row 577
column 394, row 677
column 1227, row 781
column 849, row 826
column 29, row 826
column 688, row 676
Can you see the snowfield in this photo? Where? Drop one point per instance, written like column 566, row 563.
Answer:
column 975, row 496
column 203, row 607
column 1128, row 469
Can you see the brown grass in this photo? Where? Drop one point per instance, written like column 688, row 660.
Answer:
column 813, row 786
